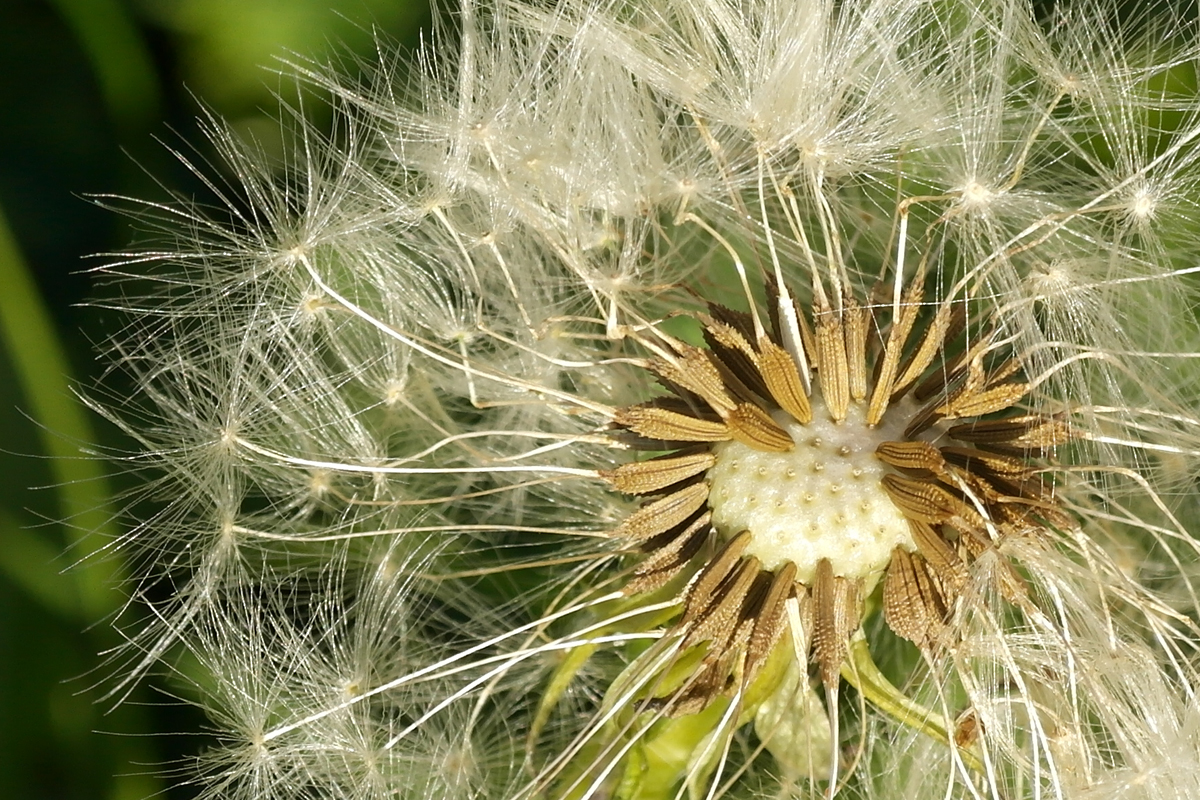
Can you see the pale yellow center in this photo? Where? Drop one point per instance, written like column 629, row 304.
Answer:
column 822, row 499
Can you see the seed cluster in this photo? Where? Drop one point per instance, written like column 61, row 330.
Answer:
column 949, row 473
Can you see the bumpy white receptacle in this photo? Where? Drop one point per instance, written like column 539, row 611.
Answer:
column 823, row 499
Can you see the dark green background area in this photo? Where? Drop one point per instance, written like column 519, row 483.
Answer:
column 90, row 92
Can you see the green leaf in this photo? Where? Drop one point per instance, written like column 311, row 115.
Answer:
column 27, row 333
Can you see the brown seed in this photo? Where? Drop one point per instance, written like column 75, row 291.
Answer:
column 835, row 618
column 695, row 371
column 920, row 422
column 967, row 363
column 977, row 403
column 643, row 477
column 922, row 500
column 740, row 321
column 753, row 427
column 1016, row 434
column 783, row 380
column 931, row 343
column 911, row 455
column 975, row 484
column 700, row 593
column 940, row 558
column 671, row 426
column 670, row 558
column 831, row 363
column 1006, row 370
column 742, row 381
column 912, row 604
column 768, row 624
column 970, row 459
column 947, row 372
column 727, row 336
column 704, row 686
column 662, row 515
column 719, row 619
column 897, row 338
column 735, row 356
column 856, row 321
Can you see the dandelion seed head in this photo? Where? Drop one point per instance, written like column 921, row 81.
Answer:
column 679, row 398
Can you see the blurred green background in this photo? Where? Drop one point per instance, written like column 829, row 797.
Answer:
column 86, row 89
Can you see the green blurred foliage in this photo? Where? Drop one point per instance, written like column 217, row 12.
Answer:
column 86, row 86
column 224, row 44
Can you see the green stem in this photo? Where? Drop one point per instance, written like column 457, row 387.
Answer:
column 861, row 672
